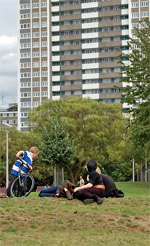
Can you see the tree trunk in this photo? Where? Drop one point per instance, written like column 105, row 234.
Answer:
column 146, row 170
column 141, row 173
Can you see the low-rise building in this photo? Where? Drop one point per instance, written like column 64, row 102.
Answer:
column 9, row 115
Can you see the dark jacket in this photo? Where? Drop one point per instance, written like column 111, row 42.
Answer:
column 69, row 194
column 110, row 187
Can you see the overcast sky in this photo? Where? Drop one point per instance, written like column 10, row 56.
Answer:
column 8, row 50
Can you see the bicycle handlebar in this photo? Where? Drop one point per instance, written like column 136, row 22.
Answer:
column 24, row 162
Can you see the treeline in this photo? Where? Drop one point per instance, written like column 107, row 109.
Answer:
column 69, row 133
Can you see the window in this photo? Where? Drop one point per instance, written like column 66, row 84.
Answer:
column 35, row 5
column 24, row 16
column 35, row 14
column 36, row 54
column 25, row 85
column 43, row 4
column 144, row 14
column 25, row 55
column 44, row 83
column 25, row 45
column 36, row 74
column 44, row 14
column 25, row 6
column 25, row 65
column 35, row 24
column 44, row 44
column 44, row 63
column 25, row 25
column 25, row 104
column 36, row 44
column 135, row 5
column 36, row 104
column 36, row 64
column 36, row 34
column 24, row 114
column 44, row 53
column 44, row 73
column 36, row 94
column 44, row 34
column 24, row 35
column 25, row 75
column 135, row 14
column 25, row 94
column 44, row 23
column 36, row 84
column 135, row 25
column 144, row 3
column 44, row 93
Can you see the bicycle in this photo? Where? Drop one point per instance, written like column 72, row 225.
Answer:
column 23, row 184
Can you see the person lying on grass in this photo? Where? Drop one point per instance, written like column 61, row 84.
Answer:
column 95, row 189
column 65, row 190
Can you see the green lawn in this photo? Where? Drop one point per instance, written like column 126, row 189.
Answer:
column 51, row 221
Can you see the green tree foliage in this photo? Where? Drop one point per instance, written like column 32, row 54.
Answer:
column 57, row 148
column 137, row 75
column 99, row 131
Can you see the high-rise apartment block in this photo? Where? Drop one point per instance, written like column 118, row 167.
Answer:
column 69, row 48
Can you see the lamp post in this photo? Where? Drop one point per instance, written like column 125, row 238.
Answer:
column 7, row 163
column 133, row 170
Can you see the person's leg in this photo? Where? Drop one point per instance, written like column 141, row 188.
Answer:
column 47, row 194
column 49, row 191
column 13, row 177
column 91, row 193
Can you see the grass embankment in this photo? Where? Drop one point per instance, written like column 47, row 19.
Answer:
column 49, row 221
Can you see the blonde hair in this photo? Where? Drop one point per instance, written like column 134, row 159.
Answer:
column 98, row 170
column 34, row 149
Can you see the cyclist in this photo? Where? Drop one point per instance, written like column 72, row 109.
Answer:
column 28, row 156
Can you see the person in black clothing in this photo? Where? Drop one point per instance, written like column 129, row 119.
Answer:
column 110, row 187
column 95, row 189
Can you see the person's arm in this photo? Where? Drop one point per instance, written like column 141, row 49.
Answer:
column 68, row 194
column 89, row 185
column 21, row 152
column 58, row 192
column 30, row 167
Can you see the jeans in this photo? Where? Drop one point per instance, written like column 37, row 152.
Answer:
column 49, row 192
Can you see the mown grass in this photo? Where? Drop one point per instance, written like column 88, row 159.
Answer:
column 50, row 221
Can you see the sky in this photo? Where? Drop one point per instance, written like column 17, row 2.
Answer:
column 8, row 51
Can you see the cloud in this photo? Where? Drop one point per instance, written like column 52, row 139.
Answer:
column 8, row 45
column 8, row 68
column 8, row 17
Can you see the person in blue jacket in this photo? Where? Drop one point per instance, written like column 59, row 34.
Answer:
column 28, row 156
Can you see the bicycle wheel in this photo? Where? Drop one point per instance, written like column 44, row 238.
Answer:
column 27, row 181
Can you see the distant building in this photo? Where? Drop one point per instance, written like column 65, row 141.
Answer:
column 9, row 115
column 68, row 48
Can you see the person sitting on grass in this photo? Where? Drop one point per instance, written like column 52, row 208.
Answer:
column 95, row 189
column 28, row 156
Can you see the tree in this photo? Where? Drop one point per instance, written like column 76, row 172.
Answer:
column 57, row 148
column 99, row 131
column 137, row 75
column 137, row 92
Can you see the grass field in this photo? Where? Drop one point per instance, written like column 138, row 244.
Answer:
column 34, row 221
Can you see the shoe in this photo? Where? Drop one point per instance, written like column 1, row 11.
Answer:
column 88, row 201
column 99, row 200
